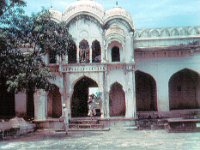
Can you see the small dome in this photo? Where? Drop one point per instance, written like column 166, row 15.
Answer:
column 118, row 12
column 89, row 7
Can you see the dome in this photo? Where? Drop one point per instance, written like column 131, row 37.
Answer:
column 118, row 12
column 88, row 7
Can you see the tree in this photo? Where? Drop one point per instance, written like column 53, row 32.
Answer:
column 23, row 42
column 8, row 5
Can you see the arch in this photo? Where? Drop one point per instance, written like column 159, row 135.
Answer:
column 54, row 106
column 144, row 34
column 79, row 107
column 174, row 32
column 184, row 90
column 84, row 52
column 69, row 19
column 193, row 31
column 183, row 32
column 117, row 105
column 128, row 24
column 7, row 101
column 146, row 97
column 115, row 54
column 154, row 33
column 165, row 33
column 96, row 51
column 72, row 53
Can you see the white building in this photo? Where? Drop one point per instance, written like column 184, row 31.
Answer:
column 136, row 70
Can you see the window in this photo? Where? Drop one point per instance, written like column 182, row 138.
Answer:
column 84, row 52
column 115, row 54
column 96, row 52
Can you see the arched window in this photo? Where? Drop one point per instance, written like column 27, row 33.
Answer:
column 115, row 54
column 84, row 52
column 72, row 53
column 96, row 52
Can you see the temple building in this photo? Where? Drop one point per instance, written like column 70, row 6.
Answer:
column 136, row 70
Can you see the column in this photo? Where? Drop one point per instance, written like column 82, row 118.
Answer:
column 40, row 102
column 163, row 94
column 105, row 100
column 130, row 95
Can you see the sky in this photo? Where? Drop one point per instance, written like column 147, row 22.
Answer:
column 145, row 13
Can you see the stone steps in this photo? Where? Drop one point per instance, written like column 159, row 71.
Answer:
column 85, row 124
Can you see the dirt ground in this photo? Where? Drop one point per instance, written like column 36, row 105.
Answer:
column 115, row 139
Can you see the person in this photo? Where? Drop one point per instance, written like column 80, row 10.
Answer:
column 65, row 119
column 89, row 106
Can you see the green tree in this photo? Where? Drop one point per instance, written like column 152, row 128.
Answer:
column 23, row 41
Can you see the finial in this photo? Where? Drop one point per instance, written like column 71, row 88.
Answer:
column 117, row 3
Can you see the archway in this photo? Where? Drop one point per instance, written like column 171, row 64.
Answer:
column 146, row 97
column 184, row 90
column 7, row 101
column 30, row 104
column 54, row 109
column 79, row 106
column 84, row 52
column 117, row 100
column 96, row 52
column 72, row 53
column 115, row 54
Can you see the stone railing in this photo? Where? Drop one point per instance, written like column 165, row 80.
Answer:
column 80, row 68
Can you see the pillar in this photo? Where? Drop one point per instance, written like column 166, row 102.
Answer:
column 163, row 94
column 40, row 105
column 130, row 95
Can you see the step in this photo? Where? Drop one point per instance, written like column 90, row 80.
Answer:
column 84, row 121
column 85, row 125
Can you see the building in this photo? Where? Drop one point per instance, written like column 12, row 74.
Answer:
column 135, row 70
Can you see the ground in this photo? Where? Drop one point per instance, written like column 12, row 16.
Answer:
column 115, row 139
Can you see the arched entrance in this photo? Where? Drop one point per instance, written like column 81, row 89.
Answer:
column 72, row 53
column 184, row 90
column 146, row 97
column 79, row 106
column 117, row 100
column 54, row 109
column 7, row 101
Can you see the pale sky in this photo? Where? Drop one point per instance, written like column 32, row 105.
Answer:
column 145, row 13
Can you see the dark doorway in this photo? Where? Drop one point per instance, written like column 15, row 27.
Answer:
column 30, row 104
column 7, row 101
column 117, row 100
column 115, row 54
column 146, row 97
column 79, row 106
column 184, row 90
column 72, row 53
column 96, row 52
column 54, row 103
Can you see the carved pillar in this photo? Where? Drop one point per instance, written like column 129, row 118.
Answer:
column 40, row 105
column 105, row 103
column 130, row 95
column 77, row 54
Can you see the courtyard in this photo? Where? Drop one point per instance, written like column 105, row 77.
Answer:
column 115, row 139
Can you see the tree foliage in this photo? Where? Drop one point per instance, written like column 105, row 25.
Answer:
column 23, row 42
